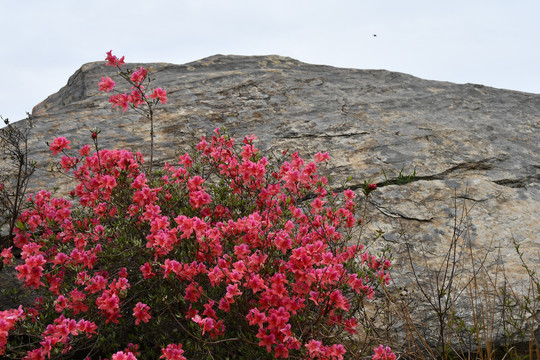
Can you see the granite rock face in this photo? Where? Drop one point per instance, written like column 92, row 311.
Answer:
column 475, row 150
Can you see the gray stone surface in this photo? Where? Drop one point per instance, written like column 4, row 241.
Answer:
column 475, row 149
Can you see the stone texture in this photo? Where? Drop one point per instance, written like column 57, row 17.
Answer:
column 475, row 149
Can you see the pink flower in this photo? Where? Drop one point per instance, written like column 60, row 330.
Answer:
column 138, row 76
column 266, row 340
column 59, row 144
column 132, row 348
column 232, row 291
column 121, row 100
column 161, row 94
column 7, row 321
column 255, row 317
column 123, row 272
column 112, row 60
column 60, row 303
column 124, row 356
column 140, row 311
column 106, row 84
column 7, row 255
column 146, row 269
column 67, row 162
column 173, row 352
column 314, row 347
column 383, row 353
column 336, row 351
column 85, row 150
column 281, row 351
column 351, row 325
column 349, row 194
column 109, row 303
column 207, row 324
column 31, row 271
column 135, row 98
column 87, row 327
column 320, row 157
column 339, row 301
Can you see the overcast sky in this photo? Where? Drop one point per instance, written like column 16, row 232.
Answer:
column 492, row 42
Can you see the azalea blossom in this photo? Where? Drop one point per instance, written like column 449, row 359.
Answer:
column 383, row 353
column 140, row 311
column 121, row 100
column 112, row 60
column 123, row 356
column 173, row 352
column 160, row 94
column 321, row 157
column 106, row 84
column 60, row 143
column 7, row 255
column 139, row 75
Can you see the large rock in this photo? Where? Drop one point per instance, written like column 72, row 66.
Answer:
column 475, row 149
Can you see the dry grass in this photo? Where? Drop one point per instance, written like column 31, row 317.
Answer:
column 468, row 308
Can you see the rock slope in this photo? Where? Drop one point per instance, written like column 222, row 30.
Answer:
column 475, row 150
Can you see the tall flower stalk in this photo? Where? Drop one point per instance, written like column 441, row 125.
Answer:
column 138, row 96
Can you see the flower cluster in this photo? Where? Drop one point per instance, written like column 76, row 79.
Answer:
column 383, row 353
column 7, row 322
column 138, row 93
column 230, row 244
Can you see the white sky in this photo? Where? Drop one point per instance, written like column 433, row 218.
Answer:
column 490, row 42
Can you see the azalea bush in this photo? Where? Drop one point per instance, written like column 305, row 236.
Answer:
column 224, row 253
